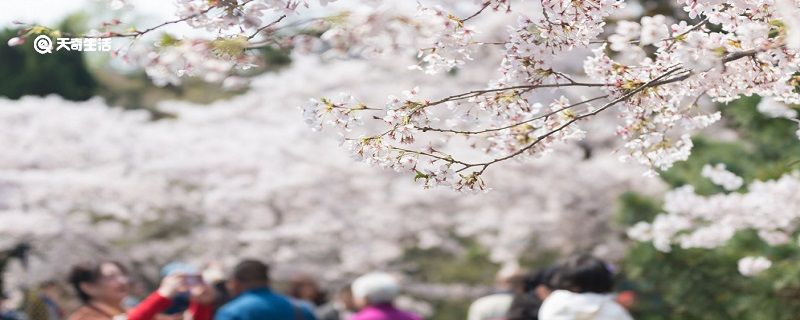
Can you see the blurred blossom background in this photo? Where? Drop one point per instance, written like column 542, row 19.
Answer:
column 99, row 158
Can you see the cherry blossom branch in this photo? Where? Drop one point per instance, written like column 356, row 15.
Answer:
column 266, row 26
column 138, row 33
column 424, row 129
column 485, row 5
column 475, row 93
column 446, row 158
column 646, row 85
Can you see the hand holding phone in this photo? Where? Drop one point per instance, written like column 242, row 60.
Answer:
column 193, row 280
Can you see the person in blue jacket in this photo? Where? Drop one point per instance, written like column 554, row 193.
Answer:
column 254, row 300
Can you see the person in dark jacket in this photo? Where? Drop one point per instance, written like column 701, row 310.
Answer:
column 535, row 288
column 254, row 300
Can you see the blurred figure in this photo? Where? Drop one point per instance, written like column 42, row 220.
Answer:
column 536, row 287
column 342, row 307
column 495, row 306
column 136, row 294
column 584, row 283
column 50, row 295
column 180, row 302
column 34, row 305
column 7, row 312
column 214, row 276
column 254, row 300
column 101, row 287
column 303, row 287
column 627, row 299
column 374, row 294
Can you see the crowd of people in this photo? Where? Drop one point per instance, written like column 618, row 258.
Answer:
column 577, row 288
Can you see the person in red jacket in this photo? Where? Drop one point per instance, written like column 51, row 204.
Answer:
column 102, row 287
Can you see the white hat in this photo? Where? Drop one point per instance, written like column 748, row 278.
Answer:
column 376, row 287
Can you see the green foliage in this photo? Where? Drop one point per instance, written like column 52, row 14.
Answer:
column 450, row 309
column 275, row 58
column 438, row 266
column 705, row 284
column 70, row 75
column 766, row 149
column 634, row 208
column 471, row 267
column 26, row 72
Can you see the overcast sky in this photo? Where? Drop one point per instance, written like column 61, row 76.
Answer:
column 49, row 12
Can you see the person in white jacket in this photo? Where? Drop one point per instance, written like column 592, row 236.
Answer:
column 585, row 284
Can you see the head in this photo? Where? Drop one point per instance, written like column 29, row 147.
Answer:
column 542, row 284
column 304, row 287
column 375, row 288
column 105, row 282
column 510, row 278
column 584, row 273
column 345, row 297
column 248, row 274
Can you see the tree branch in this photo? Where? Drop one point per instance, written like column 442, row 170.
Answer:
column 649, row 84
column 424, row 129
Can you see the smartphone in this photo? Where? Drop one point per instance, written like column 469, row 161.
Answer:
column 193, row 280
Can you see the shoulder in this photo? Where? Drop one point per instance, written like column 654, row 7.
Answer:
column 242, row 301
column 555, row 303
column 614, row 310
column 413, row 316
column 490, row 306
column 493, row 299
column 366, row 314
column 231, row 309
column 85, row 313
column 561, row 296
column 306, row 308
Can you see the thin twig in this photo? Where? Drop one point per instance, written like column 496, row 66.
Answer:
column 475, row 93
column 424, row 129
column 486, row 5
column 265, row 27
column 650, row 83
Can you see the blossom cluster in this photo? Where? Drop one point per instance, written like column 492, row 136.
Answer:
column 657, row 72
column 770, row 208
column 751, row 266
column 722, row 177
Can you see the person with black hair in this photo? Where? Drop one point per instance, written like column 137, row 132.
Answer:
column 102, row 286
column 304, row 287
column 254, row 300
column 583, row 285
column 535, row 288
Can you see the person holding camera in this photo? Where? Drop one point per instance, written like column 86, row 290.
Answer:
column 103, row 286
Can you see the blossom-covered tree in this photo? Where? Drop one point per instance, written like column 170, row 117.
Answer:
column 245, row 177
column 690, row 269
column 657, row 75
column 654, row 69
column 768, row 207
